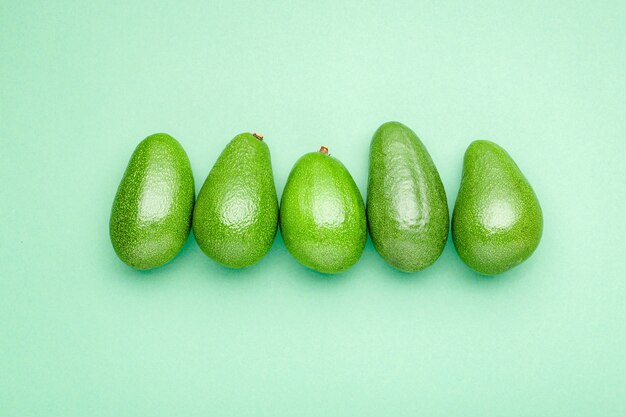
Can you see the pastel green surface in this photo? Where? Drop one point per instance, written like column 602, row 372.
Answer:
column 82, row 334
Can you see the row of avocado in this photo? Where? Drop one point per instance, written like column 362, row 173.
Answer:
column 497, row 221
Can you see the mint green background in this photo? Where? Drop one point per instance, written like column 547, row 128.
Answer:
column 83, row 335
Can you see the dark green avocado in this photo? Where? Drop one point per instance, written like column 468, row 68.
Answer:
column 151, row 214
column 407, row 210
column 497, row 220
column 236, row 214
column 322, row 215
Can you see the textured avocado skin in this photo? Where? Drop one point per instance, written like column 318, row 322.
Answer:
column 151, row 214
column 322, row 215
column 497, row 220
column 236, row 214
column 407, row 210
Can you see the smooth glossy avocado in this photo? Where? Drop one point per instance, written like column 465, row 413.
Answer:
column 497, row 220
column 236, row 214
column 322, row 215
column 151, row 214
column 407, row 210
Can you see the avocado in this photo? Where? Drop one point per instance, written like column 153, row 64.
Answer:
column 322, row 215
column 236, row 214
column 151, row 214
column 497, row 220
column 407, row 210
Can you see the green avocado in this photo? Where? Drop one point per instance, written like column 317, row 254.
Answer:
column 151, row 214
column 322, row 215
column 407, row 210
column 497, row 220
column 236, row 215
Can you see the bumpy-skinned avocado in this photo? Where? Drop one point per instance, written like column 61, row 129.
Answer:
column 236, row 214
column 497, row 220
column 151, row 214
column 322, row 215
column 407, row 210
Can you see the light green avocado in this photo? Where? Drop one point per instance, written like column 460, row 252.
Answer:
column 497, row 220
column 322, row 215
column 151, row 214
column 407, row 210
column 236, row 214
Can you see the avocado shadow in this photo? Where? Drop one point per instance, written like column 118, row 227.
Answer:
column 379, row 266
column 295, row 270
column 179, row 261
column 155, row 276
column 215, row 270
column 472, row 277
column 331, row 280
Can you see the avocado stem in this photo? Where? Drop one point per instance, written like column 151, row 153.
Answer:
column 258, row 136
column 324, row 150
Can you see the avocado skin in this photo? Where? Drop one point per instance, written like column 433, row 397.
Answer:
column 236, row 214
column 322, row 215
column 497, row 220
column 407, row 209
column 151, row 214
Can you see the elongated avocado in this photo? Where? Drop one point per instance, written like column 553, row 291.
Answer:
column 407, row 210
column 151, row 214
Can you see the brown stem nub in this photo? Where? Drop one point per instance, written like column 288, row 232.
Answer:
column 324, row 150
column 258, row 136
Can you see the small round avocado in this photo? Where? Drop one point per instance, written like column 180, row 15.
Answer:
column 497, row 220
column 151, row 214
column 322, row 215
